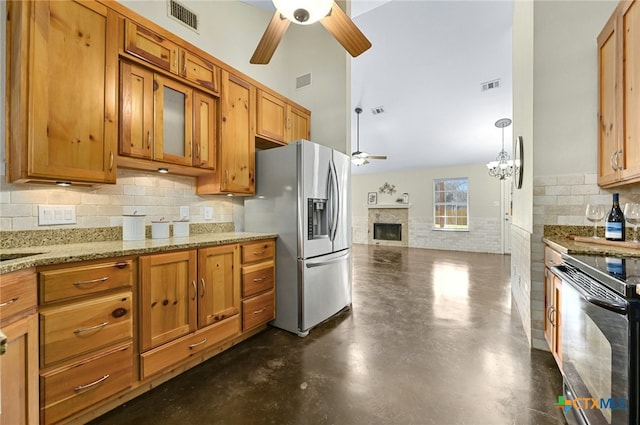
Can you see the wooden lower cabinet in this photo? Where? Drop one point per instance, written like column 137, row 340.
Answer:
column 258, row 310
column 19, row 364
column 79, row 385
column 258, row 283
column 552, row 305
column 19, row 373
column 169, row 354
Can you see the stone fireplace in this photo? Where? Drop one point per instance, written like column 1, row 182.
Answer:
column 389, row 225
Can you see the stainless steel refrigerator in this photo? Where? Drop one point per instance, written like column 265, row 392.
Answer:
column 302, row 194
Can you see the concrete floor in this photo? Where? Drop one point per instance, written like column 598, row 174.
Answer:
column 432, row 338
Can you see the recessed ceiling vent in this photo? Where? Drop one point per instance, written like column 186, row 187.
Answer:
column 377, row 110
column 303, row 81
column 181, row 14
column 490, row 85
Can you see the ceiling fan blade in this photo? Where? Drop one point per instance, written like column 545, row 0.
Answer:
column 345, row 31
column 270, row 39
column 377, row 157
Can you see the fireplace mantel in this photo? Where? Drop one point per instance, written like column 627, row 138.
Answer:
column 374, row 206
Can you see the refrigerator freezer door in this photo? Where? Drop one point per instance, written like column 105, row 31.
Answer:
column 342, row 166
column 325, row 288
column 314, row 167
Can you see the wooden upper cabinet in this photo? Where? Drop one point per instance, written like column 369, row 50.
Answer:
column 61, row 92
column 151, row 47
column 279, row 122
column 136, row 110
column 236, row 154
column 173, row 131
column 270, row 117
column 219, row 279
column 169, row 56
column 298, row 124
column 205, row 130
column 619, row 97
column 168, row 297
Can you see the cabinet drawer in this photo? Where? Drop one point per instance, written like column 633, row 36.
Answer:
column 258, row 251
column 257, row 278
column 82, row 327
column 150, row 46
column 173, row 352
column 258, row 310
column 551, row 257
column 17, row 295
column 83, row 280
column 77, row 386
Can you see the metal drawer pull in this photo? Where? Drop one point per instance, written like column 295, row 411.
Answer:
column 204, row 287
column 11, row 301
column 259, row 252
column 192, row 346
column 195, row 289
column 259, row 311
column 88, row 282
column 92, row 328
column 259, row 279
column 84, row 387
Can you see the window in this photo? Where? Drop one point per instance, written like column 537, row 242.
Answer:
column 450, row 204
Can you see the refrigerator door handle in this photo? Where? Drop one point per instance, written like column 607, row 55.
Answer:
column 327, row 262
column 335, row 200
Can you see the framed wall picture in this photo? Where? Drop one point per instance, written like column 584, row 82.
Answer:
column 372, row 198
column 405, row 198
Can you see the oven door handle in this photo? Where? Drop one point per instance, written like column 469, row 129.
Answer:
column 616, row 308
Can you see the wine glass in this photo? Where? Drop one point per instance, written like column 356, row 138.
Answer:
column 594, row 214
column 632, row 215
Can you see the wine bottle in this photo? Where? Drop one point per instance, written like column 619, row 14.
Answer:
column 614, row 226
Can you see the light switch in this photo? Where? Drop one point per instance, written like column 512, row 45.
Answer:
column 208, row 213
column 49, row 215
column 184, row 213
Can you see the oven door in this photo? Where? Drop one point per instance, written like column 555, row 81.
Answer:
column 595, row 355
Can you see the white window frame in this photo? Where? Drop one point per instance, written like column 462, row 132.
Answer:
column 440, row 201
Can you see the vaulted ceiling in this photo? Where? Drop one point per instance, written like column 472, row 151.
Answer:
column 426, row 70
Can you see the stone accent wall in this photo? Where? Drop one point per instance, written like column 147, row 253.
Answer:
column 483, row 234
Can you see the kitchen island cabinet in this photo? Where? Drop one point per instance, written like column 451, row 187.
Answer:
column 619, row 97
column 62, row 92
column 19, row 364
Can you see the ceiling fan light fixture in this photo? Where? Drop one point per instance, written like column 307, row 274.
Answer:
column 303, row 12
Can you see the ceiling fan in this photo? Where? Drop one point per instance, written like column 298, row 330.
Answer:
column 306, row 12
column 358, row 157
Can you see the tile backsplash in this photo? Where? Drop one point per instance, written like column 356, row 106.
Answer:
column 155, row 195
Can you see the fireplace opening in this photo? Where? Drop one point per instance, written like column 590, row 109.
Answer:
column 387, row 231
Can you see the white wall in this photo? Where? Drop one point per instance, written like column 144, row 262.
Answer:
column 485, row 216
column 555, row 107
column 230, row 31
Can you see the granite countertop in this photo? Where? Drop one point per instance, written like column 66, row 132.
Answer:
column 32, row 256
column 560, row 239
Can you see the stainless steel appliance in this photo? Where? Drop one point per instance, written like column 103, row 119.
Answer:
column 302, row 194
column 600, row 325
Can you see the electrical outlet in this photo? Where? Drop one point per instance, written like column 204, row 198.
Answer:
column 49, row 215
column 208, row 213
column 184, row 213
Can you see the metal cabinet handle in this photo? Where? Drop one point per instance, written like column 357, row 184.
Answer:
column 184, row 63
column 259, row 311
column 204, row 290
column 148, row 139
column 619, row 153
column 88, row 282
column 260, row 252
column 110, row 160
column 11, row 301
column 84, row 387
column 92, row 328
column 613, row 165
column 195, row 290
column 259, row 279
column 192, row 346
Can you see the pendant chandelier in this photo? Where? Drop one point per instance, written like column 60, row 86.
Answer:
column 503, row 166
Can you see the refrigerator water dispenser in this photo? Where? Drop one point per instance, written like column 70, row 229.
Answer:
column 318, row 219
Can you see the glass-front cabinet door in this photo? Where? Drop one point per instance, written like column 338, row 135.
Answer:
column 173, row 121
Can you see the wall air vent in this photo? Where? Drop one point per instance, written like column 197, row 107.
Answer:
column 490, row 85
column 181, row 14
column 303, row 81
